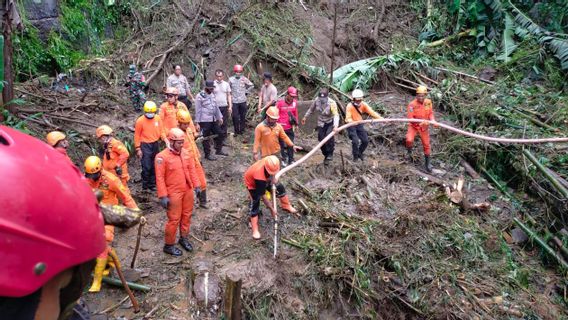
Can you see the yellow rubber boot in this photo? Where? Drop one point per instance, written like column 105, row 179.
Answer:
column 110, row 265
column 286, row 206
column 98, row 278
column 254, row 225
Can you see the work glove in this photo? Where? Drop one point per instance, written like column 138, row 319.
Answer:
column 197, row 190
column 118, row 171
column 164, row 202
column 139, row 153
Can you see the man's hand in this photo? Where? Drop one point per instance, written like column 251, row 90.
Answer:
column 424, row 123
column 197, row 190
column 230, row 110
column 165, row 202
column 255, row 156
column 335, row 129
column 220, row 121
column 118, row 171
column 297, row 148
column 304, row 121
column 139, row 153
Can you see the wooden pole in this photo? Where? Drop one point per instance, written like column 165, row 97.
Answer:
column 233, row 299
column 135, row 304
column 8, row 91
column 555, row 183
column 333, row 43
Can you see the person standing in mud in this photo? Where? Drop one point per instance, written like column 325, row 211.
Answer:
column 259, row 179
column 240, row 87
column 288, row 119
column 209, row 119
column 179, row 81
column 267, row 95
column 358, row 135
column 136, row 83
column 420, row 108
column 223, row 97
column 328, row 120
column 176, row 180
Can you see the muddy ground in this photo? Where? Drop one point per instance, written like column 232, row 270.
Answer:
column 376, row 240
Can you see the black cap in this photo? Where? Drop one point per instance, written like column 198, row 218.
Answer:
column 268, row 75
column 209, row 84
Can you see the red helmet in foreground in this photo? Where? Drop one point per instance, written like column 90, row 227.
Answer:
column 49, row 220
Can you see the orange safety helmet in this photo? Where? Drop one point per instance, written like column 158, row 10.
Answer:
column 272, row 165
column 172, row 90
column 54, row 137
column 273, row 113
column 103, row 130
column 93, row 164
column 422, row 89
column 176, row 134
column 183, row 116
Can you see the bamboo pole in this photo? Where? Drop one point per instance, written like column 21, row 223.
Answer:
column 232, row 304
column 557, row 185
column 131, row 285
column 541, row 243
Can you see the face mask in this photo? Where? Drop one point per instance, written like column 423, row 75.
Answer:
column 271, row 124
column 323, row 100
column 149, row 115
column 208, row 91
column 356, row 103
column 237, row 75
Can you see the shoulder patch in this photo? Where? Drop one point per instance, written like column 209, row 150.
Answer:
column 159, row 160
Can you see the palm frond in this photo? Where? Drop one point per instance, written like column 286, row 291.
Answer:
column 508, row 44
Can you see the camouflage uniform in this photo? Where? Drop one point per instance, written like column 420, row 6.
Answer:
column 136, row 83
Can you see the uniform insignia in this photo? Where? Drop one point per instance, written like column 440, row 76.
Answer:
column 159, row 160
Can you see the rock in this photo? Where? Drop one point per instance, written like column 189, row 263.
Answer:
column 519, row 236
column 488, row 74
column 206, row 286
column 44, row 15
column 131, row 275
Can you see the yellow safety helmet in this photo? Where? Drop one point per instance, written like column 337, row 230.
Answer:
column 150, row 107
column 422, row 89
column 273, row 113
column 103, row 130
column 54, row 137
column 93, row 164
column 176, row 134
column 183, row 116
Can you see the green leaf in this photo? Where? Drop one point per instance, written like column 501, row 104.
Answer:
column 508, row 44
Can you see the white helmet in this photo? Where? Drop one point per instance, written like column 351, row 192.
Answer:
column 357, row 94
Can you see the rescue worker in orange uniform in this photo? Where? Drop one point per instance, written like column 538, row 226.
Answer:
column 113, row 190
column 267, row 136
column 185, row 123
column 114, row 154
column 58, row 141
column 420, row 108
column 147, row 134
column 358, row 135
column 169, row 109
column 176, row 180
column 259, row 179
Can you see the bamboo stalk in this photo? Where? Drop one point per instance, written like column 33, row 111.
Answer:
column 536, row 121
column 131, row 285
column 557, row 185
column 448, row 39
column 541, row 243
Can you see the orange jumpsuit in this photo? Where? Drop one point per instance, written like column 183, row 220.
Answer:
column 190, row 145
column 116, row 155
column 257, row 183
column 175, row 178
column 112, row 190
column 417, row 110
column 168, row 114
column 268, row 139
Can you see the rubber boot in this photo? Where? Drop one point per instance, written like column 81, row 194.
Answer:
column 286, row 206
column 427, row 164
column 98, row 277
column 203, row 199
column 109, row 265
column 254, row 226
column 184, row 243
column 171, row 249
